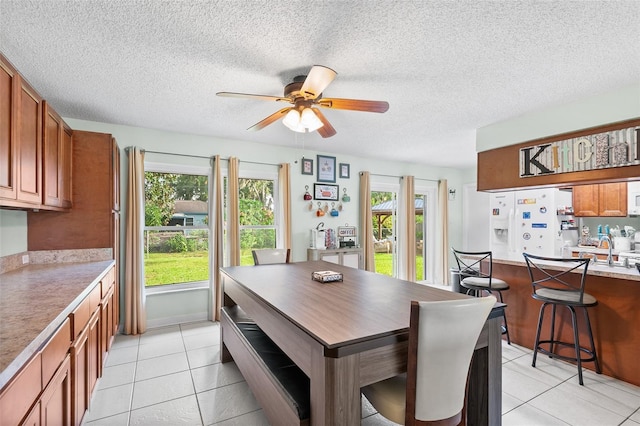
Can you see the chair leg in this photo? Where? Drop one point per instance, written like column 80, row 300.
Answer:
column 593, row 346
column 552, row 339
column 504, row 315
column 537, row 343
column 576, row 340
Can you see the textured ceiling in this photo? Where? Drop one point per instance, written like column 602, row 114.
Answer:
column 446, row 68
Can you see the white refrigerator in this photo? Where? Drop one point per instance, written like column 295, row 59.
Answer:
column 527, row 221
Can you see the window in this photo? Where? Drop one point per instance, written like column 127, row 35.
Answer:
column 258, row 216
column 383, row 213
column 425, row 197
column 176, row 232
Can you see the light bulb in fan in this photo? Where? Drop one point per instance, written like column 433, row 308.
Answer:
column 310, row 120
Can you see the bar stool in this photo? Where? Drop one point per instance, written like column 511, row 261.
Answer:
column 476, row 275
column 561, row 282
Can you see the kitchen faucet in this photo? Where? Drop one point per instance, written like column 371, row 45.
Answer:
column 609, row 255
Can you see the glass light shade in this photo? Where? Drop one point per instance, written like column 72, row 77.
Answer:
column 292, row 119
column 310, row 120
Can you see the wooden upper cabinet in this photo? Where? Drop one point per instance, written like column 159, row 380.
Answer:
column 115, row 174
column 66, row 171
column 8, row 124
column 609, row 199
column 613, row 199
column 29, row 145
column 585, row 200
column 56, row 162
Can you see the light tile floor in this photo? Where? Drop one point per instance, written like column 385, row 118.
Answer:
column 173, row 376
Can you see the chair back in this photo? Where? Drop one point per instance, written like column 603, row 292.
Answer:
column 474, row 263
column 270, row 256
column 564, row 278
column 442, row 338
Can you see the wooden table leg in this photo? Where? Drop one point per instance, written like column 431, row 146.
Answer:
column 484, row 402
column 335, row 390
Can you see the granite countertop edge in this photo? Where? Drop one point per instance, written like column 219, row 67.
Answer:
column 26, row 280
column 602, row 269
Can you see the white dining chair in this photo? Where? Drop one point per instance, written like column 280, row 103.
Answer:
column 442, row 338
column 270, row 256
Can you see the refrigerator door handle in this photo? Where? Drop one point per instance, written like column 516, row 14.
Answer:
column 512, row 231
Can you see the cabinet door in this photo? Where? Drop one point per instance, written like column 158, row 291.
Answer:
column 585, row 200
column 66, row 168
column 107, row 313
column 29, row 145
column 331, row 257
column 115, row 174
column 613, row 199
column 33, row 418
column 95, row 353
column 55, row 403
column 51, row 157
column 80, row 373
column 351, row 259
column 8, row 126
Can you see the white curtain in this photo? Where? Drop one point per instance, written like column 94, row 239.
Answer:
column 441, row 268
column 135, row 317
column 366, row 224
column 407, row 231
column 233, row 223
column 284, row 197
column 216, row 254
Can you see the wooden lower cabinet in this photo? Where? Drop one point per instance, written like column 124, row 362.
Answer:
column 107, row 319
column 18, row 397
column 55, row 403
column 54, row 406
column 85, row 367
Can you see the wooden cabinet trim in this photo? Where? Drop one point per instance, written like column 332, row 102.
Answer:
column 55, row 351
column 8, row 126
column 29, row 145
column 18, row 396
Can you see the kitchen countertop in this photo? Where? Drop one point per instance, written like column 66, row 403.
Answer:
column 34, row 302
column 598, row 269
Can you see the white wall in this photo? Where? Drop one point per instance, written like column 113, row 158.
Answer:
column 302, row 218
column 618, row 105
column 160, row 306
column 13, row 232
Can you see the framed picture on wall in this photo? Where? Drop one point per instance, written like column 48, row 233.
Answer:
column 326, row 168
column 325, row 192
column 345, row 171
column 307, row 166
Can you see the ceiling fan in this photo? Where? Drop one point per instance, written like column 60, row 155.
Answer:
column 305, row 94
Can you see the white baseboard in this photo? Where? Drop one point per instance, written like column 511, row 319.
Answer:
column 179, row 319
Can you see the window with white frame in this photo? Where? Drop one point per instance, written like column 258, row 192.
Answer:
column 176, row 232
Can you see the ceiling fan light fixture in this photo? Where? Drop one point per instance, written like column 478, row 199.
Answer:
column 292, row 121
column 310, row 120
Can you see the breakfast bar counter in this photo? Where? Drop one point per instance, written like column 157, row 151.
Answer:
column 614, row 320
column 34, row 301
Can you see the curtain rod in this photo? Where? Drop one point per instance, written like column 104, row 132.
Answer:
column 400, row 177
column 200, row 156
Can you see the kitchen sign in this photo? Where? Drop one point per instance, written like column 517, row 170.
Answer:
column 616, row 148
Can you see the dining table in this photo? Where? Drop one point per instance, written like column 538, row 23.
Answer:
column 350, row 333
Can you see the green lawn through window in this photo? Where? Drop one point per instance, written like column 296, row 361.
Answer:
column 172, row 268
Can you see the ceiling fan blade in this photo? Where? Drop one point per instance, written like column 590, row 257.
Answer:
column 270, row 119
column 327, row 130
column 354, row 104
column 317, row 80
column 250, row 96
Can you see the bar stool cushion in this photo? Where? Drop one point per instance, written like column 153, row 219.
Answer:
column 566, row 297
column 496, row 283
